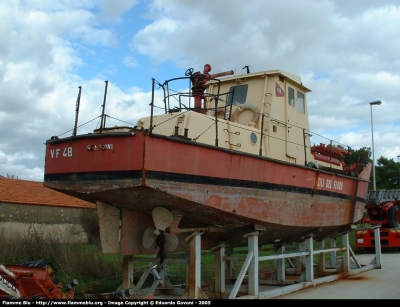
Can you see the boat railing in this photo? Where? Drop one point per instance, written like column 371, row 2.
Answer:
column 181, row 101
column 177, row 101
column 170, row 95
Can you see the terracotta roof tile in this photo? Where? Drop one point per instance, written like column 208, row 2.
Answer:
column 35, row 193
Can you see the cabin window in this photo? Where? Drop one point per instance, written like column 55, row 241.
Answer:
column 237, row 94
column 301, row 103
column 299, row 97
column 291, row 97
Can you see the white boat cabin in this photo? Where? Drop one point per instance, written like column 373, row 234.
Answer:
column 262, row 113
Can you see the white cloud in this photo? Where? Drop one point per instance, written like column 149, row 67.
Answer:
column 112, row 10
column 345, row 51
column 130, row 61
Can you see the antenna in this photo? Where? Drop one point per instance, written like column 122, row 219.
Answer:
column 247, row 68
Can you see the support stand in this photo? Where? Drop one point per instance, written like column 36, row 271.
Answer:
column 292, row 270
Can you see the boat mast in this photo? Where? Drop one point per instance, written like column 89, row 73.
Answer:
column 103, row 122
column 78, row 101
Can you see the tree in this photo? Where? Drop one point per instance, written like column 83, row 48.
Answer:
column 387, row 171
column 387, row 174
column 356, row 154
column 12, row 176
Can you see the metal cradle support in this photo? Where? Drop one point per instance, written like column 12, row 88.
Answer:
column 304, row 270
column 295, row 267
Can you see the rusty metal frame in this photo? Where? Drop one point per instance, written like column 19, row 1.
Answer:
column 301, row 265
column 333, row 270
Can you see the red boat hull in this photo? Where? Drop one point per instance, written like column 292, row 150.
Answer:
column 210, row 186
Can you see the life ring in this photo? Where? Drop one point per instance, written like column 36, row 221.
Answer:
column 239, row 109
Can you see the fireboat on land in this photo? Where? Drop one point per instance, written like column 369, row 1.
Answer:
column 225, row 158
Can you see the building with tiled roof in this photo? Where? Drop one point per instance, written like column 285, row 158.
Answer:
column 35, row 193
column 29, row 208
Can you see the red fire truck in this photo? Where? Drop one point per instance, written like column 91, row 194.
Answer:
column 382, row 208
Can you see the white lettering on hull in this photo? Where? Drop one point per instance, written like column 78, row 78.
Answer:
column 66, row 152
column 330, row 184
column 100, row 147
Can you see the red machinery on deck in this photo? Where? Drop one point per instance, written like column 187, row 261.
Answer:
column 382, row 208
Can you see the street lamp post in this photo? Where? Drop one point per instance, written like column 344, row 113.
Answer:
column 376, row 102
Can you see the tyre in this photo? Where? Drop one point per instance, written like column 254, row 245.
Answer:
column 393, row 217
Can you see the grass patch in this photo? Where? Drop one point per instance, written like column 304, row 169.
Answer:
column 95, row 272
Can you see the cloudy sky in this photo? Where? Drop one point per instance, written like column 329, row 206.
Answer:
column 346, row 52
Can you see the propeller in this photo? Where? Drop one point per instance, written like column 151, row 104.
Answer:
column 162, row 219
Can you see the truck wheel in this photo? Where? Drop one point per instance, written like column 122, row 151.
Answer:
column 393, row 217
